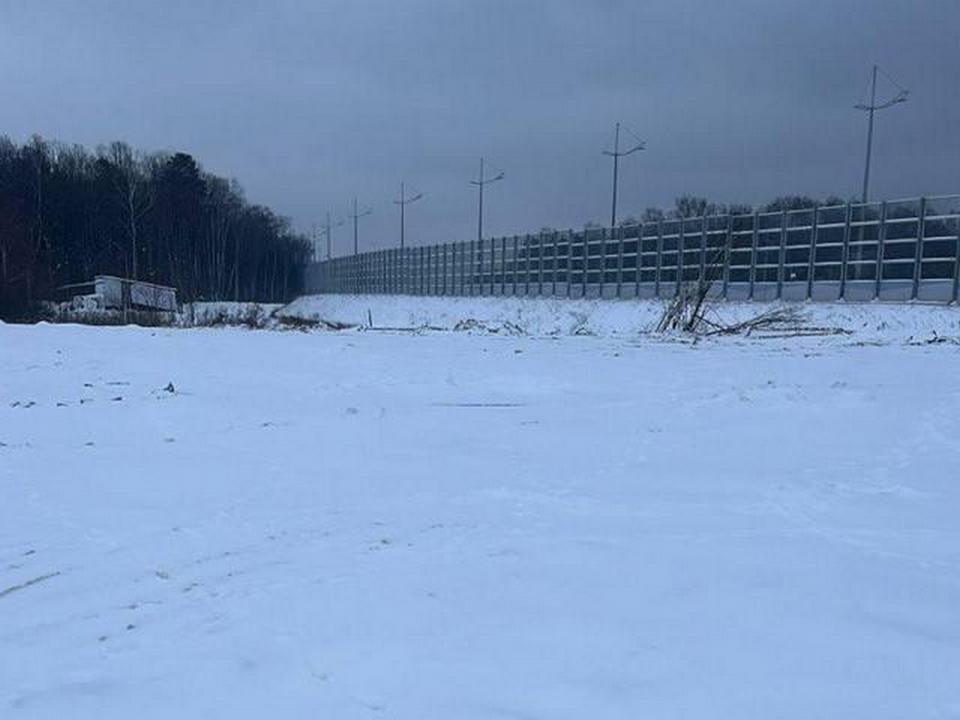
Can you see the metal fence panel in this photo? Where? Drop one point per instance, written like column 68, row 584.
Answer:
column 906, row 249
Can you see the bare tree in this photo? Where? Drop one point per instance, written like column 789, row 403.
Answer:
column 133, row 191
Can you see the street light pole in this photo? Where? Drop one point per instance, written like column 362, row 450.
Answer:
column 356, row 215
column 616, row 155
column 403, row 202
column 480, row 184
column 328, row 232
column 870, row 110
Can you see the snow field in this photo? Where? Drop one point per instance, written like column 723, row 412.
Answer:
column 472, row 525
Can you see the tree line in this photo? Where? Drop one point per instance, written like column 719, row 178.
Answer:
column 67, row 214
column 693, row 206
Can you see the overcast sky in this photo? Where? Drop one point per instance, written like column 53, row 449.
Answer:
column 310, row 103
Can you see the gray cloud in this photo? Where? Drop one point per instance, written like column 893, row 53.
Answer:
column 309, row 103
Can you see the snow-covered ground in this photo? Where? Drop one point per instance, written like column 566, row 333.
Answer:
column 225, row 523
column 869, row 322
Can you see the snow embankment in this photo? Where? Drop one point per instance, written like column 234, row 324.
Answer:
column 878, row 322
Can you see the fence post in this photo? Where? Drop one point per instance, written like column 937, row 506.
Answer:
column 503, row 265
column 493, row 246
column 659, row 261
column 703, row 249
column 586, row 263
column 529, row 239
column 493, row 263
column 540, row 265
column 918, row 260
column 473, row 268
column 845, row 253
column 680, row 248
column 604, row 236
column 638, row 260
column 881, row 244
column 782, row 255
column 477, row 287
column 753, row 252
column 456, row 273
column 516, row 245
column 493, row 260
column 812, row 260
column 553, row 284
column 728, row 248
column 620, row 261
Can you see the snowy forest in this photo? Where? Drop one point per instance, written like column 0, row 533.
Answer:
column 68, row 213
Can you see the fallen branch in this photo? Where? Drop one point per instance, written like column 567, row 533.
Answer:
column 28, row 583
